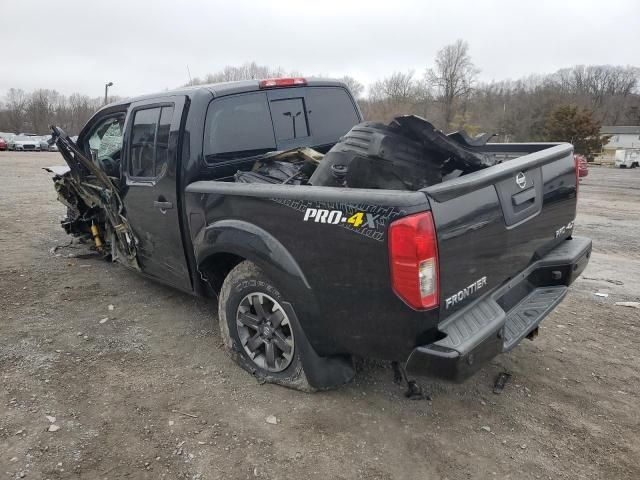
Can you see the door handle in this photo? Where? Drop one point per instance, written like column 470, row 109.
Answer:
column 524, row 196
column 163, row 206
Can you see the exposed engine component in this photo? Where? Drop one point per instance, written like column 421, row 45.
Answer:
column 289, row 167
column 273, row 171
column 94, row 207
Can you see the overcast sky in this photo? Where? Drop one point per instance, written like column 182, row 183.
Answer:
column 145, row 46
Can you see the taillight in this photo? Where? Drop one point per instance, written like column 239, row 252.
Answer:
column 282, row 82
column 413, row 255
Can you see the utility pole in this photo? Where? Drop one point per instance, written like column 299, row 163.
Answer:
column 106, row 91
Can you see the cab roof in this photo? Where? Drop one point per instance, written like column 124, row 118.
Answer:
column 222, row 89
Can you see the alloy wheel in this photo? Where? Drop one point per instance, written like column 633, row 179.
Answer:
column 265, row 332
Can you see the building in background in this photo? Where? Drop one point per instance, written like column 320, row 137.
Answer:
column 621, row 137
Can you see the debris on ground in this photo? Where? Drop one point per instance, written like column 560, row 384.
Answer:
column 51, row 419
column 271, row 420
column 104, row 320
column 184, row 413
column 628, row 304
column 414, row 391
column 501, row 381
column 608, row 280
column 600, row 294
column 54, row 428
column 486, row 428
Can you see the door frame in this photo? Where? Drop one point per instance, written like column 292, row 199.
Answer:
column 179, row 104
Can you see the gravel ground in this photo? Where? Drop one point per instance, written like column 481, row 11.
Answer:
column 149, row 392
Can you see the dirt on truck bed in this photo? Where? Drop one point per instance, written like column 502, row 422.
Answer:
column 106, row 374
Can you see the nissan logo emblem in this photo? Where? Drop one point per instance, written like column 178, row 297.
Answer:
column 521, row 180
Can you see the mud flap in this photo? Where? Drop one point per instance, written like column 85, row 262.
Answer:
column 322, row 372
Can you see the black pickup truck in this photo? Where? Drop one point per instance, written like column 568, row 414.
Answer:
column 233, row 191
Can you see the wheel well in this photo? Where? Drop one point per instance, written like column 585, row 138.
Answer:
column 216, row 268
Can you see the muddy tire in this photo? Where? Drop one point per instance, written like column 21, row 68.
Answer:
column 257, row 332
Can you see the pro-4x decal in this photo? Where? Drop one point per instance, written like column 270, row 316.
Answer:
column 368, row 220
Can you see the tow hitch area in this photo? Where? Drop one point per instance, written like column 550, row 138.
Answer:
column 533, row 334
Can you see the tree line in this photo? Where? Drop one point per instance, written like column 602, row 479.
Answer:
column 568, row 105
column 34, row 112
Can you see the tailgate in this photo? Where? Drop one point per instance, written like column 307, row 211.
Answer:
column 492, row 223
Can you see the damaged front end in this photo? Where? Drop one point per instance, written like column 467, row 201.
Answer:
column 95, row 211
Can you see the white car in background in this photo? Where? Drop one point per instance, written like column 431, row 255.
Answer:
column 46, row 146
column 627, row 158
column 24, row 143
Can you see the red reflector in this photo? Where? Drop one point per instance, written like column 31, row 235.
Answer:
column 282, row 82
column 413, row 255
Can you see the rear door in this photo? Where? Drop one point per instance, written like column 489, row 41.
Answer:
column 151, row 199
column 491, row 224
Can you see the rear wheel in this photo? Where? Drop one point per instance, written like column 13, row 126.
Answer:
column 257, row 330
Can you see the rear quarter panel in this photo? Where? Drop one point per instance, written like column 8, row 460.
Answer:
column 348, row 306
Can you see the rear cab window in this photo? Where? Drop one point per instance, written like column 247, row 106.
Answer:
column 243, row 125
column 238, row 126
column 331, row 114
column 289, row 119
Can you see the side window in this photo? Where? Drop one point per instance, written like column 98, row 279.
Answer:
column 331, row 113
column 149, row 148
column 238, row 126
column 289, row 119
column 162, row 141
column 105, row 142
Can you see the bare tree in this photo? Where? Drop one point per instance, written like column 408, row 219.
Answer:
column 80, row 109
column 356, row 88
column 41, row 109
column 246, row 71
column 398, row 87
column 452, row 78
column 16, row 106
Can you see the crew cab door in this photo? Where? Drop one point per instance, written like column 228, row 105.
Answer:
column 151, row 152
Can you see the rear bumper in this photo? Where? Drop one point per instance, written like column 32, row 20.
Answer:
column 498, row 322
